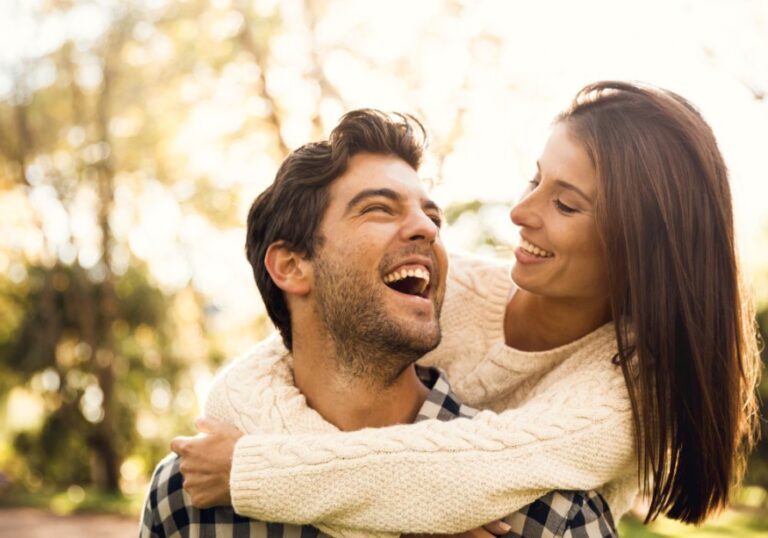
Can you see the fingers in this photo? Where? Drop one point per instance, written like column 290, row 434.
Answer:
column 179, row 444
column 480, row 532
column 207, row 425
column 497, row 528
column 211, row 425
column 205, row 491
column 198, row 492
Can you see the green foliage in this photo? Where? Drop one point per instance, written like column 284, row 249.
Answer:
column 93, row 342
column 50, row 336
column 64, row 432
column 454, row 211
column 736, row 524
column 757, row 471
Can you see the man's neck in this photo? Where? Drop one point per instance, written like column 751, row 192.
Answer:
column 352, row 402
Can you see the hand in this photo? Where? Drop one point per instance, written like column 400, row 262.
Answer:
column 489, row 530
column 206, row 461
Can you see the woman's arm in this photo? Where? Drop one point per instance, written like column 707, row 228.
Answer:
column 438, row 476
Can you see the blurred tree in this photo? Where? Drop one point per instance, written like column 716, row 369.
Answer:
column 757, row 472
column 71, row 301
column 60, row 335
column 65, row 144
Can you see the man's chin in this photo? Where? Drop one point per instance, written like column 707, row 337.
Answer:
column 432, row 344
column 423, row 341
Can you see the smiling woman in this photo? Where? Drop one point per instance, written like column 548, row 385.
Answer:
column 560, row 252
column 624, row 352
column 685, row 327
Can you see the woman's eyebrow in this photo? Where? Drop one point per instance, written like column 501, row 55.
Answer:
column 567, row 185
column 574, row 188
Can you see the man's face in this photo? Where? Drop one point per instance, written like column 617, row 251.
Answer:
column 379, row 275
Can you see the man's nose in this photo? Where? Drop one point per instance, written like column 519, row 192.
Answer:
column 420, row 226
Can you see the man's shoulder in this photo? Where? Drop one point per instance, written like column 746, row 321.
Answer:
column 260, row 356
column 165, row 507
column 166, row 479
column 239, row 377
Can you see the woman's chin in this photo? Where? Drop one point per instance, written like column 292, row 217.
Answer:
column 525, row 281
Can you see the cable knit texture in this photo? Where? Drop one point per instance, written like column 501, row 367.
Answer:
column 558, row 419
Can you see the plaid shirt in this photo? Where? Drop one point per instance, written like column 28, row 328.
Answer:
column 169, row 512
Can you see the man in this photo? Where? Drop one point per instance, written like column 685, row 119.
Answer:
column 346, row 252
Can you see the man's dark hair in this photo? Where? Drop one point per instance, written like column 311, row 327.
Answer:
column 291, row 209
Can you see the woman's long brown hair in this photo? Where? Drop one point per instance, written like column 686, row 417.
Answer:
column 685, row 330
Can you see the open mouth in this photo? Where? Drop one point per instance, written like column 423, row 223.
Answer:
column 535, row 250
column 411, row 280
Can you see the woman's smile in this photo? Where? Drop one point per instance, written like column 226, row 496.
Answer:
column 534, row 250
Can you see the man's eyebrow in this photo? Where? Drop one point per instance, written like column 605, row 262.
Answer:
column 373, row 193
column 430, row 205
column 570, row 186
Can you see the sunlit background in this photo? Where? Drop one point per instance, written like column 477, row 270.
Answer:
column 134, row 136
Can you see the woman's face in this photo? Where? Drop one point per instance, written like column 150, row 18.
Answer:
column 560, row 254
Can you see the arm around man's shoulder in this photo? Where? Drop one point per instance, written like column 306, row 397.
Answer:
column 235, row 385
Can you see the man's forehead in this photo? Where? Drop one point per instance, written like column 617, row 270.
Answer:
column 369, row 172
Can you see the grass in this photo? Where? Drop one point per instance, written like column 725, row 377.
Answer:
column 747, row 519
column 731, row 523
column 75, row 500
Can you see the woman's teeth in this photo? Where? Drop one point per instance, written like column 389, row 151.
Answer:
column 530, row 248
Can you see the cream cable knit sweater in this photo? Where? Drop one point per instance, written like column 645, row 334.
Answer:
column 566, row 425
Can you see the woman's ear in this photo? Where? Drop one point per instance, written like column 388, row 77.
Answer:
column 289, row 269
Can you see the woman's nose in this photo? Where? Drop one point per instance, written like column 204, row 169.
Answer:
column 525, row 213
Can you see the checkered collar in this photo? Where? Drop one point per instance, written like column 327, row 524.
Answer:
column 441, row 402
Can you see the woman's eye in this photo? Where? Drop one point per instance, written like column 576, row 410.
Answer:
column 565, row 208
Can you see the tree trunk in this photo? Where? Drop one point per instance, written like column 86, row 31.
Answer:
column 104, row 445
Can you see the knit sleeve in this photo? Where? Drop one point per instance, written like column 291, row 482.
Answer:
column 217, row 405
column 438, row 477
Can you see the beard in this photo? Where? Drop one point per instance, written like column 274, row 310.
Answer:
column 370, row 343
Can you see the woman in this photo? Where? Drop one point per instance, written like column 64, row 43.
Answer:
column 624, row 353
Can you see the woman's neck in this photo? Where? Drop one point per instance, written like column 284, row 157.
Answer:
column 537, row 323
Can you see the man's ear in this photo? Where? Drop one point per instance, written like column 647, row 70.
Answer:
column 290, row 270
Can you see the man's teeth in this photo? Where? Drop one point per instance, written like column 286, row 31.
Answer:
column 530, row 248
column 422, row 274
